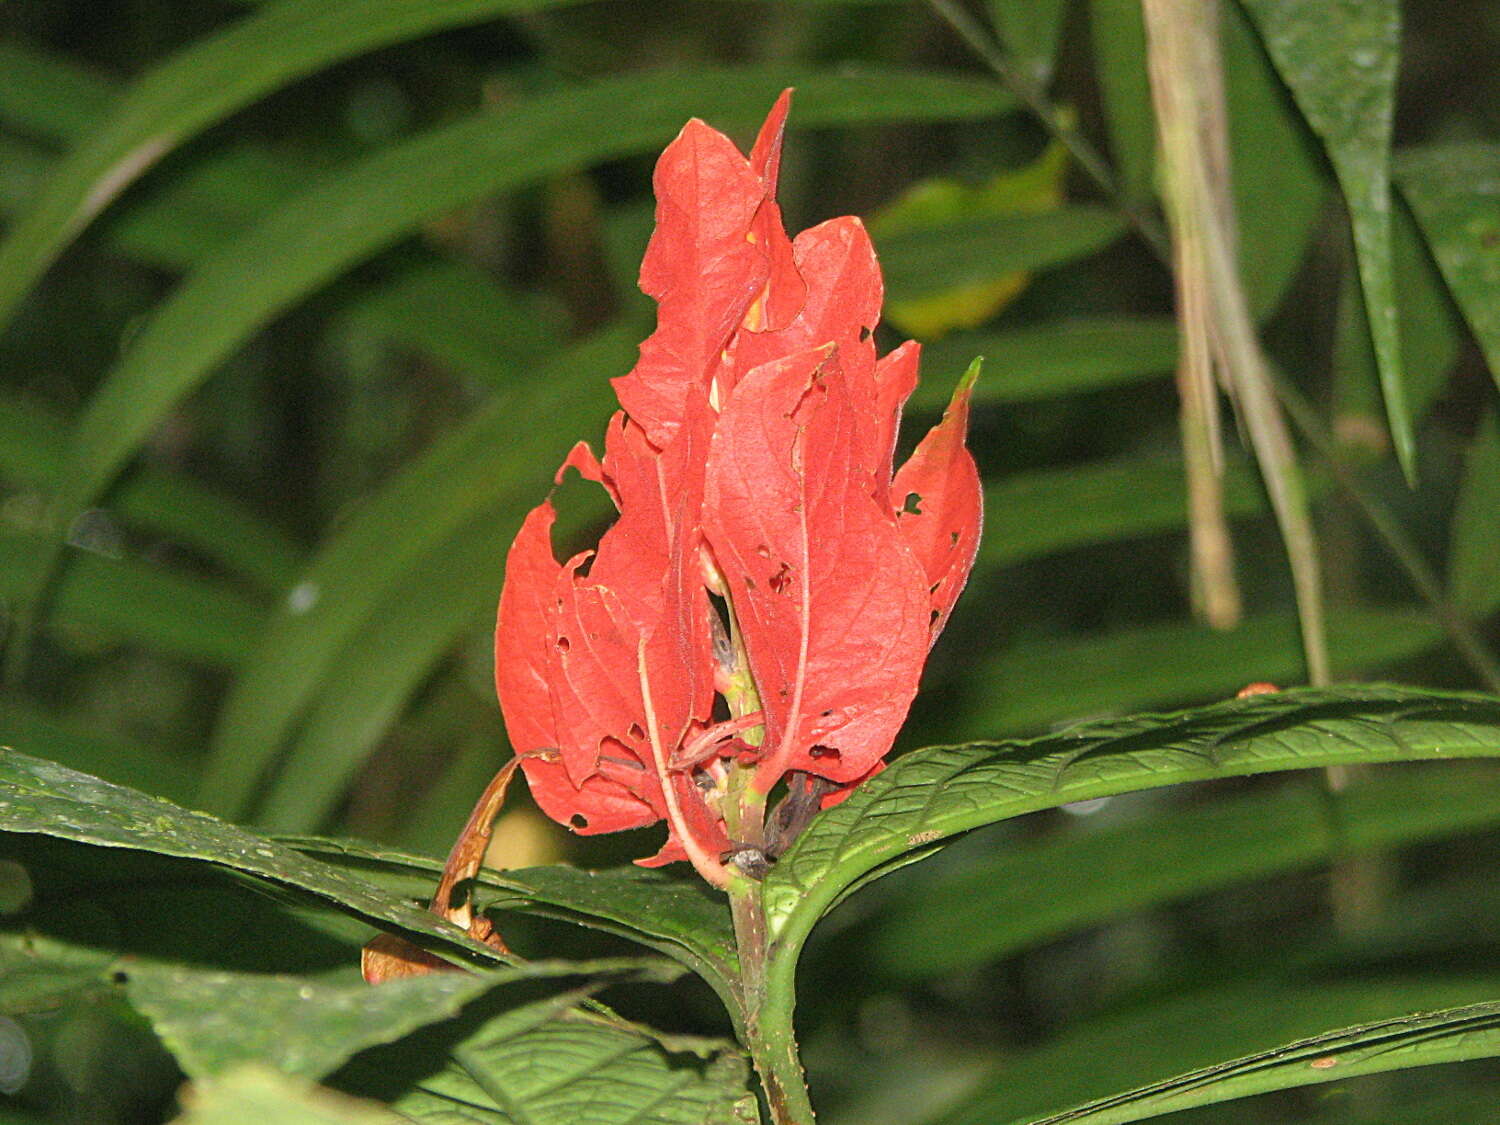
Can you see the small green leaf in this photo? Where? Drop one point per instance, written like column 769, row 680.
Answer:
column 213, row 1021
column 1338, row 57
column 584, row 1069
column 1455, row 192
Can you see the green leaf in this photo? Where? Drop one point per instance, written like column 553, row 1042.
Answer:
column 679, row 917
column 1455, row 192
column 41, row 797
column 504, row 456
column 1231, row 1019
column 33, row 442
column 932, row 794
column 213, row 1021
column 348, row 216
column 200, row 85
column 584, row 1069
column 81, row 746
column 457, row 314
column 1043, row 511
column 1474, row 564
column 1118, row 38
column 1050, row 359
column 50, row 98
column 1005, row 900
column 1030, row 30
column 170, row 613
column 1452, row 1035
column 1277, row 171
column 1060, row 679
column 253, row 1095
column 1338, row 57
column 933, row 259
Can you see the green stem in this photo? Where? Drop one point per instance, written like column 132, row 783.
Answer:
column 768, row 1023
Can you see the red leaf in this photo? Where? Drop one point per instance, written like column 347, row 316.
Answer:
column 832, row 603
column 836, row 261
column 701, row 267
column 941, row 482
column 784, row 291
column 600, row 804
column 895, row 379
column 522, row 626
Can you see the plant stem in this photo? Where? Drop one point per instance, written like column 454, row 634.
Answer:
column 768, row 1027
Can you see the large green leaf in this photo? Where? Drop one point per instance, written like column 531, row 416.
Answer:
column 41, row 797
column 1339, row 59
column 1228, row 1020
column 347, row 217
column 254, row 1095
column 1051, row 680
column 83, row 747
column 1083, row 873
column 204, row 83
column 583, row 1069
column 929, row 795
column 679, row 917
column 214, row 1021
column 377, row 561
column 1452, row 1035
column 1455, row 192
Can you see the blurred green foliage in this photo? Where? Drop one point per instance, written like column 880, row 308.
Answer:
column 305, row 301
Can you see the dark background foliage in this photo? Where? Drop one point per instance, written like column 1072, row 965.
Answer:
column 306, row 374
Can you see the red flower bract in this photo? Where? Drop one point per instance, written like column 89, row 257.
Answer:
column 765, row 556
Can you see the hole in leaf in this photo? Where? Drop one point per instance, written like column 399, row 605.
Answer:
column 953, row 538
column 578, row 821
column 933, row 618
column 781, row 579
column 821, row 751
column 563, row 644
column 912, row 506
column 636, row 732
column 763, row 551
column 864, row 334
